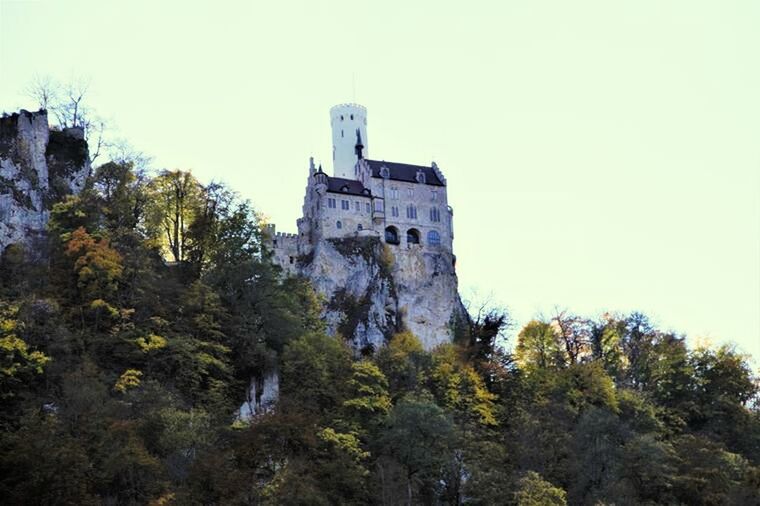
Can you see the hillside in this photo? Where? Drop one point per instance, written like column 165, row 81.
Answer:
column 127, row 350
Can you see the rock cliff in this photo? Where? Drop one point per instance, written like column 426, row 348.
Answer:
column 38, row 166
column 373, row 290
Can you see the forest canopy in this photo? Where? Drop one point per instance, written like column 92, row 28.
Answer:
column 125, row 356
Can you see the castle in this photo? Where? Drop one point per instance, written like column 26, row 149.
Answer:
column 376, row 241
column 405, row 205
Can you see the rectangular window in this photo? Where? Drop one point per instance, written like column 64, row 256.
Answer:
column 394, row 211
column 331, row 203
column 411, row 212
column 379, row 206
column 434, row 195
column 410, row 192
column 358, row 207
column 394, row 193
column 435, row 214
column 344, row 205
column 368, row 208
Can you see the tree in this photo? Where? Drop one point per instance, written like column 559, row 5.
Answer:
column 535, row 491
column 538, row 348
column 315, row 371
column 68, row 103
column 175, row 201
column 417, row 435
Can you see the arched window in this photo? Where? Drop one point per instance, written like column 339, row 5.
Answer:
column 412, row 236
column 434, row 238
column 339, row 224
column 391, row 235
column 420, row 177
column 385, row 173
column 359, row 227
column 352, row 116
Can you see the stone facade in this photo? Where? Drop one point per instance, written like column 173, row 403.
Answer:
column 38, row 167
column 386, row 210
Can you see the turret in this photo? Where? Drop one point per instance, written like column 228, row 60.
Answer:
column 349, row 134
column 320, row 181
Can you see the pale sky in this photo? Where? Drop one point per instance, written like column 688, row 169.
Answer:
column 601, row 155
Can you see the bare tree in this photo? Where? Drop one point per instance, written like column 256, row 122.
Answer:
column 45, row 91
column 68, row 103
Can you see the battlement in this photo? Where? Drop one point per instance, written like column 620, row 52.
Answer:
column 348, row 105
column 283, row 235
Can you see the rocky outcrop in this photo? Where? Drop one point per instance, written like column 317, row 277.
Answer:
column 261, row 396
column 373, row 290
column 38, row 167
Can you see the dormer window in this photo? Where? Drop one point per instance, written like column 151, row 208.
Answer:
column 344, row 188
column 385, row 173
column 420, row 177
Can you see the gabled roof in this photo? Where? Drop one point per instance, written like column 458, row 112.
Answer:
column 351, row 187
column 405, row 172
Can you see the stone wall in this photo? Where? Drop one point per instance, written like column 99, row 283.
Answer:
column 38, row 167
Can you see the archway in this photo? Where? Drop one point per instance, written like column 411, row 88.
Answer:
column 391, row 235
column 412, row 236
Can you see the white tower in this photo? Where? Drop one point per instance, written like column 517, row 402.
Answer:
column 346, row 120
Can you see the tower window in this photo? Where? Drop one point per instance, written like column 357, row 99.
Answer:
column 434, row 238
column 434, row 195
column 394, row 211
column 435, row 214
column 352, row 116
column 411, row 212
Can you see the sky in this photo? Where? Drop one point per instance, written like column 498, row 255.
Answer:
column 600, row 155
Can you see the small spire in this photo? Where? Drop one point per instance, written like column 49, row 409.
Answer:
column 359, row 146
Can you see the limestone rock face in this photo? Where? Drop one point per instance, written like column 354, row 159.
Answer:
column 261, row 397
column 373, row 290
column 37, row 168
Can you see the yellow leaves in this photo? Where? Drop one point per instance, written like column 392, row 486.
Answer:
column 460, row 386
column 129, row 379
column 103, row 307
column 97, row 265
column 16, row 357
column 163, row 500
column 404, row 344
column 369, row 389
column 346, row 442
column 17, row 362
column 150, row 343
